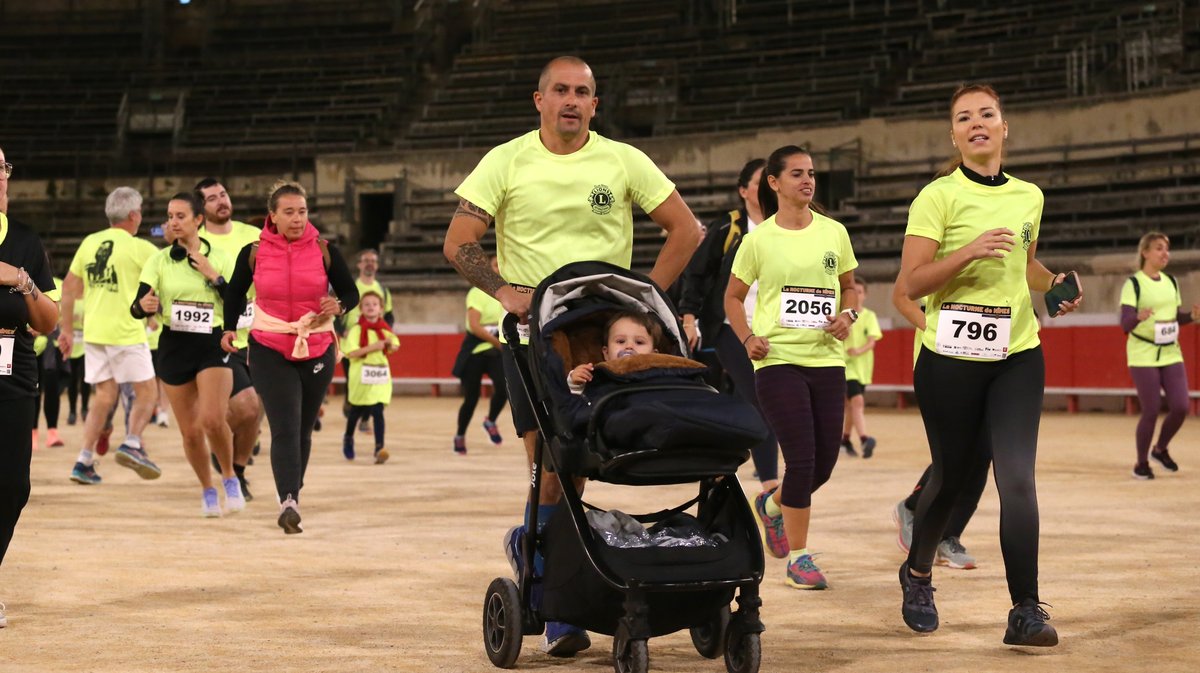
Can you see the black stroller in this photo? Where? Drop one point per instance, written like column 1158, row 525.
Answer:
column 649, row 427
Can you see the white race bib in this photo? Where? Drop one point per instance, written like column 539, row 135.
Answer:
column 373, row 375
column 247, row 317
column 1166, row 332
column 523, row 332
column 7, row 344
column 192, row 316
column 974, row 331
column 806, row 307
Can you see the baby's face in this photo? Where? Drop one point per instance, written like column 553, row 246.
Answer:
column 627, row 337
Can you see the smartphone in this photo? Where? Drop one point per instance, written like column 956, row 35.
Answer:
column 1064, row 291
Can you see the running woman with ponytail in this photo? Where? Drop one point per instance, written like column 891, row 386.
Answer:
column 1151, row 314
column 806, row 304
column 180, row 287
column 970, row 248
column 292, row 346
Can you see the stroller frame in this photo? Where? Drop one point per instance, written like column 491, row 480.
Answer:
column 509, row 612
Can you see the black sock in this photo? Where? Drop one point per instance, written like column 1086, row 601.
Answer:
column 239, row 470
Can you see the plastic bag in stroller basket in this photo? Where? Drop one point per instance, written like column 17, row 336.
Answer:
column 639, row 416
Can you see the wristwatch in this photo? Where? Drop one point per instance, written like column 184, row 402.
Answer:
column 853, row 314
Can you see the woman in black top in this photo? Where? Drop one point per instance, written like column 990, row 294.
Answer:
column 24, row 281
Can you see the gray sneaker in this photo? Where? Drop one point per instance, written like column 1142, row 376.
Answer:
column 950, row 552
column 903, row 518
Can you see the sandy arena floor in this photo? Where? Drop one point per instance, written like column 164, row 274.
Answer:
column 391, row 571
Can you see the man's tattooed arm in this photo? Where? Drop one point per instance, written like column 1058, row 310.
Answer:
column 473, row 264
column 469, row 209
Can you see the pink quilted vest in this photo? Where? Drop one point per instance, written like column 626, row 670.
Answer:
column 289, row 281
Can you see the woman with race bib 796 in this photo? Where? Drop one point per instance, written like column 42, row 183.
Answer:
column 970, row 248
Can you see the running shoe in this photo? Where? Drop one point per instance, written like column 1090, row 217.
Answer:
column 460, row 445
column 950, row 552
column 381, row 456
column 234, row 500
column 903, row 518
column 804, row 574
column 774, row 537
column 513, row 539
column 85, row 474
column 136, row 459
column 493, row 431
column 920, row 614
column 564, row 640
column 102, row 441
column 1027, row 625
column 245, row 486
column 3, row 616
column 210, row 507
column 289, row 516
column 52, row 438
column 1143, row 471
column 71, row 418
column 848, row 448
column 161, row 419
column 1160, row 456
column 868, row 447
column 348, row 446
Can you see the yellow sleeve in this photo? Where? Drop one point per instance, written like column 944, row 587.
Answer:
column 350, row 341
column 745, row 263
column 486, row 186
column 648, row 186
column 927, row 215
column 1127, row 296
column 150, row 273
column 847, row 260
column 77, row 262
column 873, row 326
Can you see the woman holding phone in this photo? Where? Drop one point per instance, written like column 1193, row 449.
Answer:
column 1151, row 314
column 970, row 248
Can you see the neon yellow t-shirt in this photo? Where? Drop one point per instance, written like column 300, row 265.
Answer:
column 176, row 282
column 861, row 367
column 1163, row 297
column 377, row 288
column 491, row 312
column 366, row 394
column 552, row 209
column 41, row 341
column 804, row 264
column 239, row 236
column 109, row 263
column 954, row 211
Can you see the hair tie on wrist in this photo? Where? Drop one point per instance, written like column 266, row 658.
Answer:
column 747, row 338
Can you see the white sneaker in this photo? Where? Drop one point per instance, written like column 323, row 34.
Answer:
column 234, row 501
column 161, row 419
column 3, row 617
column 289, row 516
column 210, row 507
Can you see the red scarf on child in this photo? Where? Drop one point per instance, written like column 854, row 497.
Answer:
column 380, row 327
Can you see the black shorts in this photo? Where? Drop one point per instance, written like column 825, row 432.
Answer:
column 182, row 355
column 854, row 389
column 518, row 400
column 239, row 362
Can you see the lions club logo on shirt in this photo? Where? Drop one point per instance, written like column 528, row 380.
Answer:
column 1027, row 235
column 830, row 263
column 601, row 199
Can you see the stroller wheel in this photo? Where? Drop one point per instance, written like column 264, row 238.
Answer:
column 630, row 656
column 743, row 652
column 709, row 637
column 502, row 622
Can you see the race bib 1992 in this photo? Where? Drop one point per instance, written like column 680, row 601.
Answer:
column 806, row 307
column 192, row 316
column 375, row 375
column 974, row 331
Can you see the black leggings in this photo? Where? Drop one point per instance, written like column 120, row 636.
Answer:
column 49, row 394
column 964, row 505
column 736, row 363
column 291, row 392
column 477, row 365
column 77, row 387
column 15, row 453
column 359, row 412
column 805, row 407
column 967, row 406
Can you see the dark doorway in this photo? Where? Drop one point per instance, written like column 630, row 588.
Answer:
column 375, row 211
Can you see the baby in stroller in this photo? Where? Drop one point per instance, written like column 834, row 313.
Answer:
column 627, row 333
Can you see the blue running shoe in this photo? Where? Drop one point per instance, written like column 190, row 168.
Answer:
column 348, row 446
column 210, row 507
column 564, row 640
column 136, row 459
column 85, row 474
column 493, row 431
column 234, row 500
column 513, row 540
